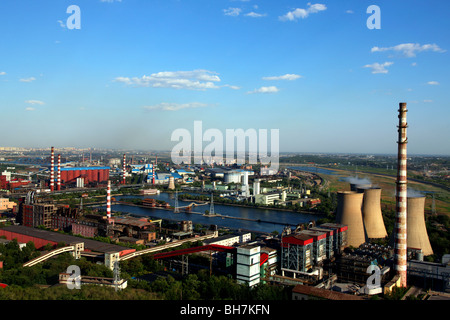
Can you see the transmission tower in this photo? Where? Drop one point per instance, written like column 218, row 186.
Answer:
column 211, row 207
column 176, row 208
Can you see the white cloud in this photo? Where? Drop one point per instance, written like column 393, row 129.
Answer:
column 175, row 106
column 27, row 79
column 379, row 67
column 300, row 13
column 350, row 11
column 232, row 87
column 255, row 15
column 34, row 102
column 284, row 77
column 427, row 101
column 410, row 49
column 271, row 89
column 433, row 83
column 2, row 73
column 414, row 64
column 61, row 23
column 232, row 11
column 192, row 80
column 29, row 109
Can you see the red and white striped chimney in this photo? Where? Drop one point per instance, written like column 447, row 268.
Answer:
column 52, row 170
column 59, row 173
column 124, row 168
column 400, row 244
column 108, row 200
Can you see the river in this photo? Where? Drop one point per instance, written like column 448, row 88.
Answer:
column 270, row 220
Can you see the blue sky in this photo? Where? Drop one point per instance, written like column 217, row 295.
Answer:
column 137, row 70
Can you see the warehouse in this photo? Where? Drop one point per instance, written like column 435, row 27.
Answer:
column 40, row 238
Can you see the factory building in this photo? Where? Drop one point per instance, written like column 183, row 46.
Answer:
column 69, row 175
column 40, row 238
column 304, row 251
column 248, row 264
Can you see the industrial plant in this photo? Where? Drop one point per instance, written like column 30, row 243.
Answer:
column 341, row 257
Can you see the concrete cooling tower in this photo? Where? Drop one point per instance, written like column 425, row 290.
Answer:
column 417, row 236
column 349, row 213
column 372, row 216
column 359, row 187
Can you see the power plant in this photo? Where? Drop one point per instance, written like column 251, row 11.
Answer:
column 349, row 213
column 400, row 233
column 372, row 216
column 417, row 236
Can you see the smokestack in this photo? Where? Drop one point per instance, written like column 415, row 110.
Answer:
column 124, row 168
column 372, row 216
column 52, row 170
column 349, row 213
column 153, row 175
column 417, row 230
column 400, row 233
column 59, row 173
column 108, row 200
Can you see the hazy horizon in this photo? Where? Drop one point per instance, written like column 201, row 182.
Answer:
column 137, row 70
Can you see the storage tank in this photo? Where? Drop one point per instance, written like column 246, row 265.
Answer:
column 417, row 236
column 349, row 213
column 372, row 216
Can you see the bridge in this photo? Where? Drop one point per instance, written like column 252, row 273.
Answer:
column 166, row 246
column 76, row 248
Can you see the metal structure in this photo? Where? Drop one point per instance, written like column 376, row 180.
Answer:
column 400, row 231
column 372, row 216
column 176, row 208
column 349, row 213
column 211, row 206
column 417, row 236
column 296, row 253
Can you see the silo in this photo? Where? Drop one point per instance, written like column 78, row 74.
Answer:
column 417, row 236
column 372, row 216
column 349, row 213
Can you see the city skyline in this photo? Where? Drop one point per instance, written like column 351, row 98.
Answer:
column 136, row 71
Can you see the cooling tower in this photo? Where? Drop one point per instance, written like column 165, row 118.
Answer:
column 171, row 183
column 417, row 236
column 349, row 213
column 359, row 186
column 372, row 216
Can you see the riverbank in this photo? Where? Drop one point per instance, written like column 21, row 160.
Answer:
column 217, row 215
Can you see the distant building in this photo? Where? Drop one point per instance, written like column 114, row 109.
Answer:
column 230, row 239
column 5, row 204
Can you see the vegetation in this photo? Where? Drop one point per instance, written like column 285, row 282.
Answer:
column 27, row 283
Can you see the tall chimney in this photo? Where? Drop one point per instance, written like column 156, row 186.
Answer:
column 153, row 175
column 400, row 241
column 108, row 200
column 59, row 173
column 52, row 170
column 124, row 168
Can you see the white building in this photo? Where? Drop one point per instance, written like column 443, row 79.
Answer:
column 247, row 264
